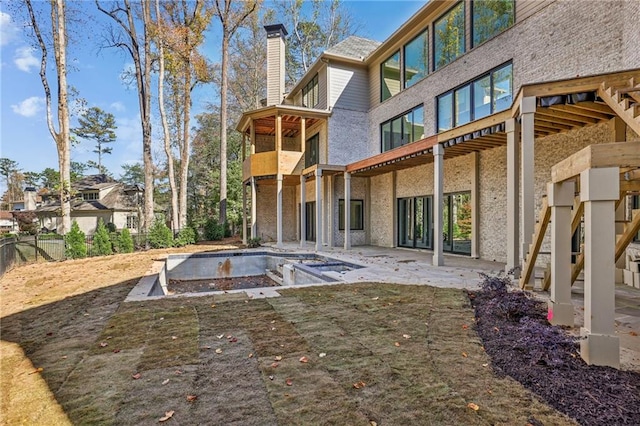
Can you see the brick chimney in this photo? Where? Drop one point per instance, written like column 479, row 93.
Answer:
column 30, row 198
column 275, row 63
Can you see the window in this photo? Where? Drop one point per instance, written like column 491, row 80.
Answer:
column 490, row 17
column 416, row 60
column 356, row 222
column 311, row 150
column 132, row 222
column 88, row 196
column 483, row 96
column 390, row 76
column 448, row 35
column 310, row 94
column 404, row 129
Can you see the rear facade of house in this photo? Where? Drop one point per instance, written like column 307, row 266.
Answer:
column 449, row 128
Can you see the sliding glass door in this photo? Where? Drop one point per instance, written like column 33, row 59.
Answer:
column 310, row 220
column 415, row 222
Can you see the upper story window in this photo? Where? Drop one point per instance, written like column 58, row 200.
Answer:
column 416, row 59
column 483, row 96
column 490, row 17
column 88, row 196
column 404, row 129
column 310, row 93
column 311, row 150
column 448, row 35
column 390, row 76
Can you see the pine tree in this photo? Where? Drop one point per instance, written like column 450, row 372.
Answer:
column 75, row 242
column 101, row 240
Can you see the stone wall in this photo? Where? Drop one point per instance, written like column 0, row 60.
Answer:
column 267, row 225
column 382, row 201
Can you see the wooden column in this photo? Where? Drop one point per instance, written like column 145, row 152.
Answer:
column 599, row 190
column 279, row 210
column 347, row 211
column 438, row 198
column 330, row 179
column 254, row 208
column 528, row 211
column 512, row 128
column 319, row 231
column 560, row 197
column 244, row 213
column 303, row 211
column 475, row 204
column 278, row 132
column 252, row 137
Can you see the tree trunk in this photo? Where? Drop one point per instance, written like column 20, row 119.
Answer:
column 165, row 128
column 145, row 100
column 223, row 127
column 184, row 155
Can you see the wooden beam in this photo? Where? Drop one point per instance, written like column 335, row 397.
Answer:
column 394, row 154
column 483, row 123
column 631, row 229
column 534, row 248
column 617, row 154
column 564, row 116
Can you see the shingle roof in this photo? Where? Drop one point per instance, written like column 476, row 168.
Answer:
column 354, row 47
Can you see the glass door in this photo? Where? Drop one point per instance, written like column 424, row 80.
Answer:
column 405, row 222
column 310, row 215
column 424, row 221
column 415, row 222
column 456, row 216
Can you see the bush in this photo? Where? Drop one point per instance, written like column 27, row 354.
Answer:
column 213, row 231
column 160, row 235
column 125, row 242
column 187, row 235
column 111, row 227
column 101, row 240
column 253, row 242
column 75, row 242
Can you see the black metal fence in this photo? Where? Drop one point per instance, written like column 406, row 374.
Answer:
column 18, row 250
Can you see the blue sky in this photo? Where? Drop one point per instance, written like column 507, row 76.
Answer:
column 95, row 74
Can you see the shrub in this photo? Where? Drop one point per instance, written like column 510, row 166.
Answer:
column 75, row 242
column 213, row 231
column 125, row 242
column 160, row 235
column 187, row 235
column 101, row 240
column 253, row 242
column 111, row 227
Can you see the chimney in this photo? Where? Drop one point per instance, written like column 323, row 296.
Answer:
column 275, row 63
column 29, row 198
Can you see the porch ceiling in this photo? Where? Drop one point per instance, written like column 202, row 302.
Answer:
column 290, row 125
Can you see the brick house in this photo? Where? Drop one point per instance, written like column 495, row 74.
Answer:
column 452, row 127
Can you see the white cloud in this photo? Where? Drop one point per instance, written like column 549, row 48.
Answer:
column 8, row 29
column 24, row 59
column 29, row 107
column 118, row 106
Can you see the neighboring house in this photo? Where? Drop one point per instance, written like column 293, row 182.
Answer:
column 96, row 197
column 444, row 136
column 7, row 223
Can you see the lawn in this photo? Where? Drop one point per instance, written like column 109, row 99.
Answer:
column 347, row 354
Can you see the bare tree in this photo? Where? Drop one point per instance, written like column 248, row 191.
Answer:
column 231, row 14
column 139, row 48
column 61, row 136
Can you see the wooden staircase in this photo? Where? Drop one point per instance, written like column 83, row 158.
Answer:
column 624, row 101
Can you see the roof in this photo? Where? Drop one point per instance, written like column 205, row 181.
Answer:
column 116, row 199
column 94, row 182
column 354, row 47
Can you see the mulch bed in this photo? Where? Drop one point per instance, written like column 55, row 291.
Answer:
column 220, row 284
column 546, row 359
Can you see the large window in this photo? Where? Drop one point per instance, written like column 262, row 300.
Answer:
column 481, row 97
column 88, row 196
column 390, row 76
column 416, row 59
column 449, row 36
column 490, row 17
column 356, row 220
column 311, row 150
column 404, row 129
column 310, row 93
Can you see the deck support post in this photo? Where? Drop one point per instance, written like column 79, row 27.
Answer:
column 244, row 213
column 330, row 179
column 527, row 113
column 560, row 198
column 512, row 128
column 319, row 230
column 303, row 211
column 438, row 177
column 254, row 208
column 279, row 210
column 599, row 190
column 347, row 211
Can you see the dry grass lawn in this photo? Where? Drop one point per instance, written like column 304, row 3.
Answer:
column 346, row 354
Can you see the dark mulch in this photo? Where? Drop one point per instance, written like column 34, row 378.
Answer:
column 546, row 360
column 220, row 284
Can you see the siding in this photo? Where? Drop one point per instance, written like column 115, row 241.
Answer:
column 275, row 70
column 349, row 87
column 526, row 8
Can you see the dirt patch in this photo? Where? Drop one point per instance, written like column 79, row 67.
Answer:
column 220, row 284
column 546, row 360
